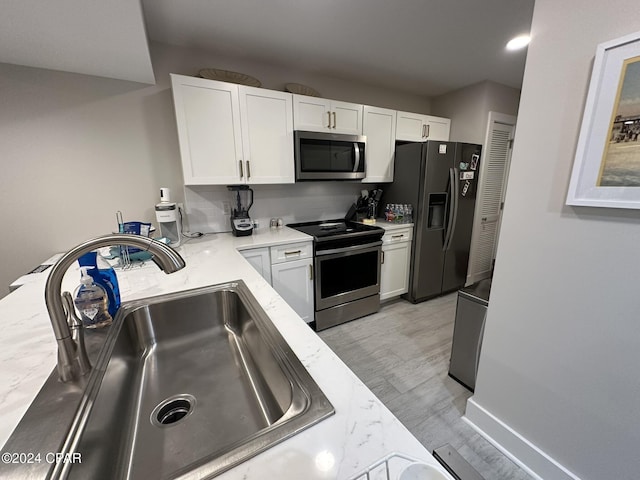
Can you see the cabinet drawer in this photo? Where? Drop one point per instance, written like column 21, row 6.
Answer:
column 291, row 251
column 399, row 235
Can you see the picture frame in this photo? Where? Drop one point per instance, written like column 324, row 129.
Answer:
column 606, row 169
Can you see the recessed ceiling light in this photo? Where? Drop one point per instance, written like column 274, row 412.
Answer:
column 518, row 42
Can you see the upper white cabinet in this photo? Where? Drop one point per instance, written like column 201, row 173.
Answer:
column 419, row 128
column 321, row 115
column 232, row 133
column 379, row 126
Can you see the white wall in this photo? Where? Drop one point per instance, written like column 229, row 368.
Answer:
column 63, row 134
column 469, row 107
column 559, row 363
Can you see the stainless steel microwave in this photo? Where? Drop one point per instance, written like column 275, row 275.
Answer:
column 329, row 156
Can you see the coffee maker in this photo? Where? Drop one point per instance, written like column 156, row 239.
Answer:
column 167, row 217
column 241, row 201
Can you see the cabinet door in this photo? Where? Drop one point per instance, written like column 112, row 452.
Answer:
column 267, row 135
column 294, row 283
column 208, row 121
column 311, row 113
column 259, row 259
column 379, row 125
column 346, row 118
column 411, row 127
column 394, row 271
column 438, row 128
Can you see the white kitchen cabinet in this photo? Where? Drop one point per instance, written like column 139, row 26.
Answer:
column 416, row 127
column 266, row 118
column 292, row 276
column 322, row 115
column 232, row 134
column 379, row 126
column 396, row 254
column 259, row 259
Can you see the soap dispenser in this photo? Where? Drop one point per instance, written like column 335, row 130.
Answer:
column 92, row 302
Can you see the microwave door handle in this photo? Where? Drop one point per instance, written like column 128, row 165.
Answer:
column 356, row 149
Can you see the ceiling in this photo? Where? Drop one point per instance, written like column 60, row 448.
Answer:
column 424, row 47
column 94, row 37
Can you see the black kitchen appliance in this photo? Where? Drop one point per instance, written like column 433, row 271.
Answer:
column 241, row 201
column 347, row 269
column 440, row 179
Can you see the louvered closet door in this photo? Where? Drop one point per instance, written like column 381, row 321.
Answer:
column 495, row 168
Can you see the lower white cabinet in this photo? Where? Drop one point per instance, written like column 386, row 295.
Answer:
column 293, row 281
column 394, row 271
column 260, row 260
column 289, row 270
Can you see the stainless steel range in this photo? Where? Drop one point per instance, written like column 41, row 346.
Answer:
column 347, row 269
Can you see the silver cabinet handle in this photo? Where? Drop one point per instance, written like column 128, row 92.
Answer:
column 241, row 171
column 295, row 252
column 310, row 271
column 248, row 169
column 334, row 119
column 382, row 257
column 427, row 131
column 329, row 117
column 424, row 128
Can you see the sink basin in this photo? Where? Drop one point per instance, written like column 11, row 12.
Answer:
column 189, row 385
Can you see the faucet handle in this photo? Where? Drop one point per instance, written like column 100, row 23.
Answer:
column 70, row 311
column 77, row 333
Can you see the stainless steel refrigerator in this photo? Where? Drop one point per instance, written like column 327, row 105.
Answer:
column 440, row 180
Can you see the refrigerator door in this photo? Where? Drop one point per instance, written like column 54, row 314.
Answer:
column 431, row 229
column 466, row 171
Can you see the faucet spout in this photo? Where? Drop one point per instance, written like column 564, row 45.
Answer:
column 71, row 364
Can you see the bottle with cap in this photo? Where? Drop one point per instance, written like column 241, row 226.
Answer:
column 91, row 301
column 104, row 275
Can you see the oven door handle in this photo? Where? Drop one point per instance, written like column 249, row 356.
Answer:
column 353, row 248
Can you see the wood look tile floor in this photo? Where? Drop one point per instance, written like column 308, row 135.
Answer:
column 402, row 354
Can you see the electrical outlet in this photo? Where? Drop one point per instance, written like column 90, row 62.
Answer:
column 226, row 208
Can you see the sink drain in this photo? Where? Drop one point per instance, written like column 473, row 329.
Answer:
column 172, row 410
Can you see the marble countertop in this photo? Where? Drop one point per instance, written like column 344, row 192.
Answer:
column 360, row 433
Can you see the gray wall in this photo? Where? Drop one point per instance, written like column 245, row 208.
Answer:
column 469, row 107
column 559, row 363
column 75, row 148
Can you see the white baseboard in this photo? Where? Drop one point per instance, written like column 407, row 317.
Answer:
column 516, row 447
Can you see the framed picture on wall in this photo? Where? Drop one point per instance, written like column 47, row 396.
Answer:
column 606, row 169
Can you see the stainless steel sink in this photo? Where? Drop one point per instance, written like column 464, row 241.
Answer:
column 189, row 385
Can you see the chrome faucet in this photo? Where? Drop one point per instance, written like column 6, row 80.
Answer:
column 72, row 358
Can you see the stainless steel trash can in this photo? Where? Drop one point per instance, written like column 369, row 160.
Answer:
column 471, row 311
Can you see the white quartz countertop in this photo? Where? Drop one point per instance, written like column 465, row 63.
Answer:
column 360, row 433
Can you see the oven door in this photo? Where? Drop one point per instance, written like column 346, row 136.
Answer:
column 347, row 273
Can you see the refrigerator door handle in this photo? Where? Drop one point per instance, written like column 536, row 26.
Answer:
column 453, row 208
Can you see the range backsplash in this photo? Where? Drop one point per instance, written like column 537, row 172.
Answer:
column 298, row 202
